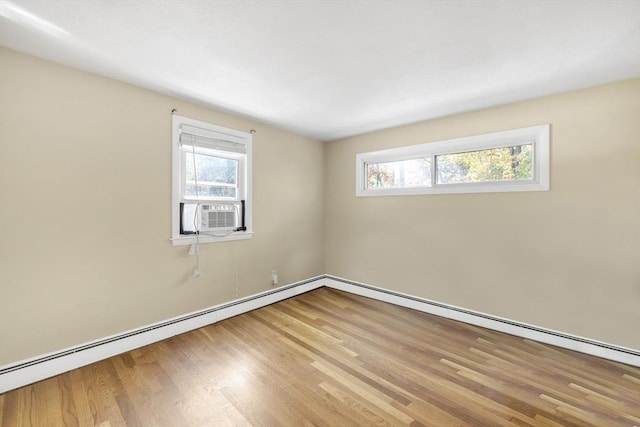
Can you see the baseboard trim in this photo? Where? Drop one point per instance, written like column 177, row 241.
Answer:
column 572, row 342
column 45, row 366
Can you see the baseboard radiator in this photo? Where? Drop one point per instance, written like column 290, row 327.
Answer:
column 45, row 366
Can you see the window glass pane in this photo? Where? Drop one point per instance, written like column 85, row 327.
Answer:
column 402, row 173
column 495, row 164
column 217, row 176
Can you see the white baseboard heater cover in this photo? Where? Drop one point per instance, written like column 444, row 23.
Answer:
column 45, row 366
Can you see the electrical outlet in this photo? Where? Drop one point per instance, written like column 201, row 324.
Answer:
column 274, row 277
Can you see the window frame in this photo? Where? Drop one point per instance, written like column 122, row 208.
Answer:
column 244, row 178
column 538, row 136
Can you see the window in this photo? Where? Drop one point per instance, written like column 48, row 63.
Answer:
column 514, row 160
column 211, row 183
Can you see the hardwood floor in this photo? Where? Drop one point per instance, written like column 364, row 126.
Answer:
column 329, row 358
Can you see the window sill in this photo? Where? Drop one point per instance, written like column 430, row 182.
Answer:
column 479, row 187
column 191, row 240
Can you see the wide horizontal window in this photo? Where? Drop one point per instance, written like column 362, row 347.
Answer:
column 515, row 160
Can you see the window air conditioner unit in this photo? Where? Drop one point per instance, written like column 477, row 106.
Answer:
column 218, row 216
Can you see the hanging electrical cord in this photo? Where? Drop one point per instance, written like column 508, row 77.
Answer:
column 196, row 226
column 196, row 270
column 204, row 222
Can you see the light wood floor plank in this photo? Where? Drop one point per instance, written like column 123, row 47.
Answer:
column 329, row 358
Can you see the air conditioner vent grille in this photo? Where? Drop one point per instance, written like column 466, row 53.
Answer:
column 221, row 219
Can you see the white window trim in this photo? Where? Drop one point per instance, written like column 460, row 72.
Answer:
column 221, row 133
column 538, row 135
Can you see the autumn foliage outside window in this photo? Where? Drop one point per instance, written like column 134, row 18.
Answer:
column 486, row 163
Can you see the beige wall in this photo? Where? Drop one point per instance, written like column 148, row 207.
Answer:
column 567, row 259
column 83, row 159
column 85, row 193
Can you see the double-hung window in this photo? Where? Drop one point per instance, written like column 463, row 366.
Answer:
column 211, row 183
column 514, row 160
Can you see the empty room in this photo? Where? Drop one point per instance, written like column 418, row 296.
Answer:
column 319, row 213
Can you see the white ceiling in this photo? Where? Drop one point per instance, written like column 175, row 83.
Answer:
column 330, row 69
